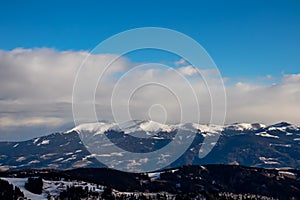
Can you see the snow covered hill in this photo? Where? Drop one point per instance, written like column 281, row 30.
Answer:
column 51, row 188
column 192, row 182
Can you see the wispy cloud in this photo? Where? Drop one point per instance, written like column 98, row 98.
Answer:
column 8, row 122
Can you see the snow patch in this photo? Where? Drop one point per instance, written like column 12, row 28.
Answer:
column 145, row 126
column 154, row 176
column 51, row 187
column 265, row 134
column 36, row 140
column 245, row 126
column 96, row 128
column 58, row 159
column 20, row 159
column 81, row 163
column 34, row 162
column 284, row 128
column 269, row 161
column 44, row 142
column 151, row 126
column 208, row 128
column 47, row 156
column 287, row 174
column 20, row 182
column 281, row 145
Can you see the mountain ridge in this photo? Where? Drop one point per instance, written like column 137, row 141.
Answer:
column 152, row 126
column 261, row 146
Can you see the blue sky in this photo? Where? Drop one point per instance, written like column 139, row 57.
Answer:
column 254, row 43
column 246, row 39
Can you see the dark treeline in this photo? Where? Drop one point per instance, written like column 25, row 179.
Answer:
column 34, row 185
column 9, row 192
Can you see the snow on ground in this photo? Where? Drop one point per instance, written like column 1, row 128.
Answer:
column 287, row 173
column 44, row 142
column 33, row 162
column 110, row 154
column 281, row 145
column 151, row 126
column 58, row 159
column 245, row 126
column 55, row 187
column 284, row 128
column 154, row 176
column 269, row 161
column 20, row 182
column 78, row 151
column 36, row 140
column 265, row 134
column 20, row 159
column 68, row 153
column 97, row 128
column 47, row 156
column 73, row 157
column 208, row 128
column 146, row 126
column 277, row 128
column 50, row 187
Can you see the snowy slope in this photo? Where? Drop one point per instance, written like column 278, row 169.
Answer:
column 20, row 182
column 50, row 187
column 146, row 126
column 152, row 127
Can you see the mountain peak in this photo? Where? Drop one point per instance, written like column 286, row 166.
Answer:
column 245, row 126
column 281, row 124
column 150, row 126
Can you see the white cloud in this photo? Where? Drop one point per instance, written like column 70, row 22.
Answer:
column 267, row 104
column 46, row 74
column 188, row 70
column 7, row 122
column 291, row 78
column 36, row 84
column 36, row 90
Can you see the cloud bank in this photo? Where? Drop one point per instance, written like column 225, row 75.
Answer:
column 36, row 91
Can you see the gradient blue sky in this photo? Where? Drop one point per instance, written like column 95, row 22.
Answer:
column 246, row 39
column 255, row 44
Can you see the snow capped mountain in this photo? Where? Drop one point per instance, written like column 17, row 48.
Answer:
column 241, row 143
column 126, row 127
column 283, row 126
column 149, row 127
column 245, row 126
column 134, row 126
column 96, row 128
column 154, row 127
